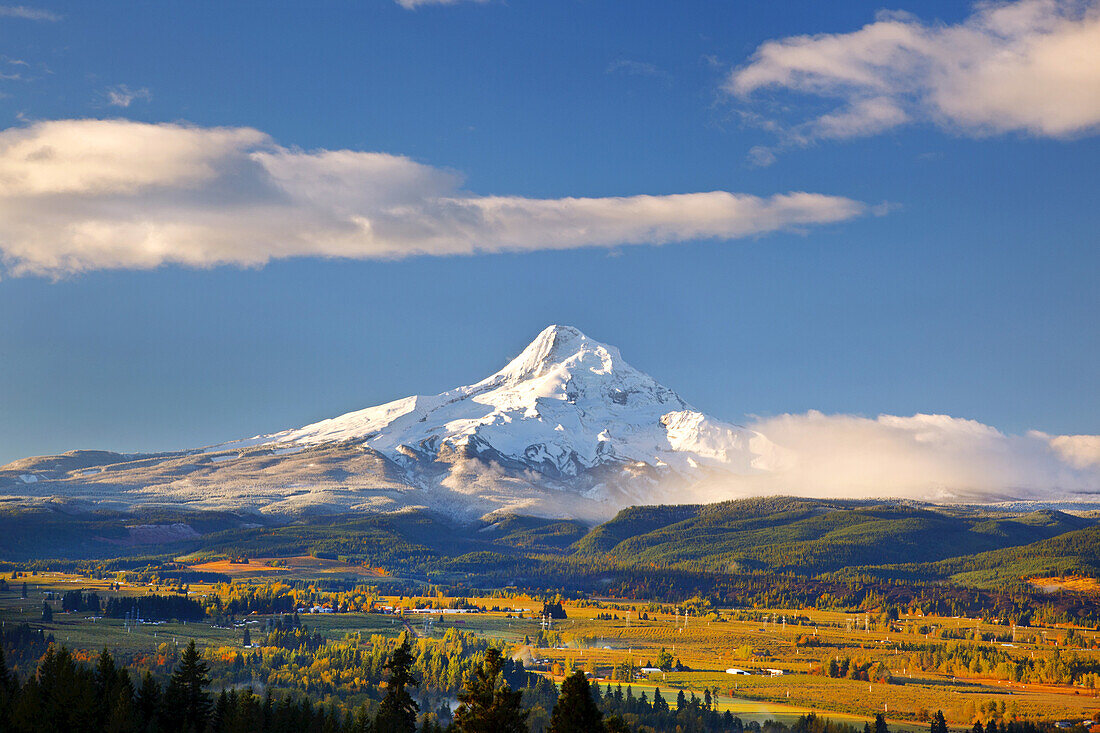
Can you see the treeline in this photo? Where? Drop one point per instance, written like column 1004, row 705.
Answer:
column 689, row 713
column 155, row 608
column 77, row 601
column 980, row 660
column 241, row 599
column 847, row 668
column 289, row 633
column 67, row 695
column 22, row 643
column 668, row 585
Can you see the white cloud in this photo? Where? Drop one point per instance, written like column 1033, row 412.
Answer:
column 79, row 195
column 924, row 457
column 26, row 13
column 1081, row 451
column 1031, row 66
column 414, row 4
column 124, row 96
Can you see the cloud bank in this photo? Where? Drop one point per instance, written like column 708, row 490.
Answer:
column 1031, row 67
column 79, row 195
column 921, row 457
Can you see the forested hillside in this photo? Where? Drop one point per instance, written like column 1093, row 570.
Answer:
column 809, row 536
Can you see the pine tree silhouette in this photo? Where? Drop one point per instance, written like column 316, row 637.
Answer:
column 488, row 706
column 576, row 711
column 397, row 711
column 187, row 699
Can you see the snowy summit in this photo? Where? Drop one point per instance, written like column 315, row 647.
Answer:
column 567, row 428
column 566, row 405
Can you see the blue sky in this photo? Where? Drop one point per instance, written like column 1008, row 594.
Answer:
column 963, row 283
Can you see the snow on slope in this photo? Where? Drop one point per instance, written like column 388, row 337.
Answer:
column 565, row 405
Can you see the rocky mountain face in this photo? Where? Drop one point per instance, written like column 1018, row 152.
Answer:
column 567, row 428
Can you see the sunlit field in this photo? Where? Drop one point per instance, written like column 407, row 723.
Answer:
column 785, row 651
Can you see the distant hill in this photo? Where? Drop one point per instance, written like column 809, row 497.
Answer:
column 1074, row 553
column 811, row 536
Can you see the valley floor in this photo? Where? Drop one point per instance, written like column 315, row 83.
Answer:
column 914, row 665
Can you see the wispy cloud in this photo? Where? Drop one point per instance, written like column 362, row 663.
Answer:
column 27, row 13
column 414, row 4
column 637, row 68
column 1031, row 66
column 79, row 195
column 124, row 96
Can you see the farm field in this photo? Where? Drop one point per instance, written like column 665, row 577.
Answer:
column 786, row 651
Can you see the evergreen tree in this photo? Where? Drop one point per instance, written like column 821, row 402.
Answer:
column 23, row 594
column 576, row 711
column 147, row 703
column 659, row 704
column 397, row 711
column 220, row 716
column 431, row 725
column 47, row 613
column 880, row 724
column 247, row 640
column 105, row 685
column 939, row 723
column 187, row 700
column 488, row 706
column 7, row 690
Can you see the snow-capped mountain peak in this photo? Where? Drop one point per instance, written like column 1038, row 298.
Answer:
column 560, row 347
column 565, row 407
column 566, row 428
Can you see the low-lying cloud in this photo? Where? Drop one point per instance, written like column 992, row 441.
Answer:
column 1031, row 66
column 80, row 195
column 922, row 457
